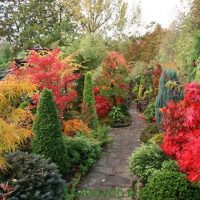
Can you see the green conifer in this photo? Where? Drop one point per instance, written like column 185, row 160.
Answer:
column 47, row 139
column 167, row 92
column 89, row 113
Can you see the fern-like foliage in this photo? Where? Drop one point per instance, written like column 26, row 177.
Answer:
column 10, row 136
column 15, row 124
column 11, row 90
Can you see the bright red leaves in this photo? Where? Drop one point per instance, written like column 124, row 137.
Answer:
column 52, row 73
column 181, row 122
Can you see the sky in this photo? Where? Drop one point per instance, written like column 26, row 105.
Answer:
column 162, row 11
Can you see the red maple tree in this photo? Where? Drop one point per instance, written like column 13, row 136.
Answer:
column 181, row 122
column 111, row 81
column 52, row 73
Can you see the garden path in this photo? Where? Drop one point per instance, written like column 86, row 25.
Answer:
column 111, row 170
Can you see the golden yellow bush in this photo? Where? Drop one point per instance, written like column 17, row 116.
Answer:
column 21, row 118
column 11, row 90
column 10, row 136
column 15, row 123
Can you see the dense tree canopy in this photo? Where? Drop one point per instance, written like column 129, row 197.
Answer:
column 30, row 22
column 146, row 48
column 100, row 16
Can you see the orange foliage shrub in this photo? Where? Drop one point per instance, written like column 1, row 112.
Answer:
column 71, row 127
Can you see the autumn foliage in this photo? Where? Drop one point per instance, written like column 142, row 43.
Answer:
column 52, row 73
column 156, row 76
column 102, row 106
column 71, row 127
column 181, row 122
column 15, row 123
column 112, row 79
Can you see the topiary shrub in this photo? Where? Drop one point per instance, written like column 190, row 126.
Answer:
column 33, row 177
column 148, row 132
column 88, row 107
column 82, row 152
column 48, row 140
column 145, row 160
column 167, row 185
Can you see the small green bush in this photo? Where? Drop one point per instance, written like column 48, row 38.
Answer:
column 149, row 112
column 81, row 151
column 101, row 134
column 33, row 177
column 149, row 131
column 145, row 160
column 167, row 185
column 116, row 114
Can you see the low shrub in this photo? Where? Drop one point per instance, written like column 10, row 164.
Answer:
column 81, row 152
column 145, row 160
column 33, row 177
column 116, row 114
column 148, row 132
column 149, row 112
column 169, row 185
column 101, row 134
column 119, row 117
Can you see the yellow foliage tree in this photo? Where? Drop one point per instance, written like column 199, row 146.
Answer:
column 10, row 135
column 12, row 128
column 11, row 90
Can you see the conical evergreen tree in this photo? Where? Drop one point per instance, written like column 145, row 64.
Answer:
column 88, row 109
column 166, row 93
column 47, row 139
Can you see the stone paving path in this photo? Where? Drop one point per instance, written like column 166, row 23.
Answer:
column 111, row 170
